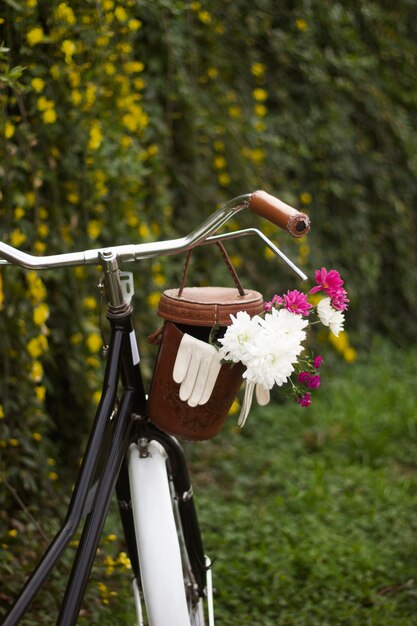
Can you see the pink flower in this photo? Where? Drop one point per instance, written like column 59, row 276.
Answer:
column 314, row 382
column 296, row 302
column 304, row 400
column 304, row 378
column 340, row 300
column 318, row 361
column 329, row 282
column 275, row 300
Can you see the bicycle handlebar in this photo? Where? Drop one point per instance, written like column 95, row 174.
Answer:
column 260, row 202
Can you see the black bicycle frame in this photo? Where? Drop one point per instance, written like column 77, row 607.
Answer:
column 116, row 425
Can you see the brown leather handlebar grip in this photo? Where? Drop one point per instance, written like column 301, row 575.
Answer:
column 279, row 213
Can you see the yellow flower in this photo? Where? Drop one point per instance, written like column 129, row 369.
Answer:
column 90, row 94
column 96, row 136
column 94, row 342
column 68, row 48
column 153, row 299
column 306, row 197
column 92, row 361
column 73, row 197
column 96, row 396
column 76, row 97
column 301, row 25
column 13, row 442
column 218, row 145
column 1, row 412
column 109, row 69
column 12, row 532
column 35, row 36
column 224, row 179
column 51, row 462
column 260, row 110
column 65, row 13
column 76, row 339
column 37, row 346
column 30, row 198
column 133, row 66
column 36, row 287
column 124, row 560
column 258, row 69
column 36, row 436
column 40, row 393
column 212, row 72
column 90, row 303
column 350, row 355
column 235, row 111
column 93, row 229
column 260, row 95
column 9, row 129
column 219, row 162
column 102, row 41
column 38, row 84
column 125, row 141
column 258, row 155
column 36, row 371
column 120, row 14
column 39, row 247
column 234, row 408
column 49, row 116
column 43, row 230
column 53, row 476
column 111, row 537
column 134, row 24
column 55, row 72
column 17, row 238
column 40, row 314
column 43, row 104
column 204, row 16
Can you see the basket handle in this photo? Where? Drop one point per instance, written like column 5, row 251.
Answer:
column 228, row 263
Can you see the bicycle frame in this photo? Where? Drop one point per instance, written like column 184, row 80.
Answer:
column 116, row 425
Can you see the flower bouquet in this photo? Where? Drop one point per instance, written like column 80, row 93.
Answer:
column 270, row 346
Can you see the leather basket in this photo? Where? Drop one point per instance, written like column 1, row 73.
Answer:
column 195, row 310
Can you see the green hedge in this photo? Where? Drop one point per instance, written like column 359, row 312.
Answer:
column 125, row 122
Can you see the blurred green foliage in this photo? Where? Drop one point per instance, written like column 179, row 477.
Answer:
column 124, row 121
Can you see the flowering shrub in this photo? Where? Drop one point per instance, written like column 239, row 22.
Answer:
column 270, row 346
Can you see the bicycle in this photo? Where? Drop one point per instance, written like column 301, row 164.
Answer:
column 145, row 465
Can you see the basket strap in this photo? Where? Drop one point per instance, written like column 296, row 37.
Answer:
column 229, row 266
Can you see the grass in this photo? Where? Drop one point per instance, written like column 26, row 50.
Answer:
column 310, row 515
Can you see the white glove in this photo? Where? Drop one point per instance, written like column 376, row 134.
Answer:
column 262, row 397
column 196, row 369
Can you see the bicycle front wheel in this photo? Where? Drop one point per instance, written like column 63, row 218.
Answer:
column 160, row 547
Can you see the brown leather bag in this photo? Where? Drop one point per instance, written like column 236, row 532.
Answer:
column 195, row 310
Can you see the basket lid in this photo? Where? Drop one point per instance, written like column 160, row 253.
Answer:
column 207, row 306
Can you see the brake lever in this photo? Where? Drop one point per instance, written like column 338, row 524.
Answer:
column 254, row 231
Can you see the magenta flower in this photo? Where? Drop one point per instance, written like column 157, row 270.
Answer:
column 314, row 382
column 329, row 282
column 304, row 400
column 340, row 300
column 275, row 300
column 318, row 361
column 296, row 302
column 304, row 378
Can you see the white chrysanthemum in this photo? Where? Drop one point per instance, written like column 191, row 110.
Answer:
column 330, row 317
column 238, row 336
column 276, row 348
column 268, row 347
